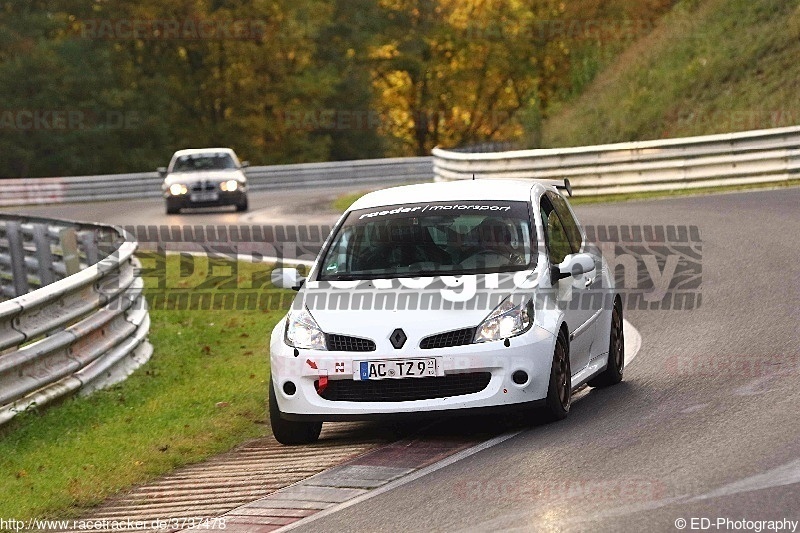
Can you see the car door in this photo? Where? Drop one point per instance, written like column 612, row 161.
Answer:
column 563, row 238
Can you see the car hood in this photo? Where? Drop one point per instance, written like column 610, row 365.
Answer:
column 204, row 175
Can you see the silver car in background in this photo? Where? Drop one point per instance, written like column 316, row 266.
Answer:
column 204, row 177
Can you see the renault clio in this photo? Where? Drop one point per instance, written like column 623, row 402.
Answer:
column 445, row 298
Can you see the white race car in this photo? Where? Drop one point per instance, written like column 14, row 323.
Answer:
column 445, row 298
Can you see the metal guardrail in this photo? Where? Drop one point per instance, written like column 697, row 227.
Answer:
column 72, row 315
column 760, row 156
column 709, row 161
column 148, row 184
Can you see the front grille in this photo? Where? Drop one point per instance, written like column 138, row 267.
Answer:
column 345, row 343
column 457, row 337
column 200, row 186
column 406, row 390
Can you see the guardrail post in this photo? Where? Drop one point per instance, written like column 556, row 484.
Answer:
column 793, row 163
column 44, row 254
column 69, row 250
column 89, row 244
column 16, row 251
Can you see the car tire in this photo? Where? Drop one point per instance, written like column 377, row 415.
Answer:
column 173, row 210
column 559, row 391
column 616, row 352
column 290, row 432
column 242, row 206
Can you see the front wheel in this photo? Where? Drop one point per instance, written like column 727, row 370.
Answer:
column 288, row 431
column 616, row 353
column 242, row 206
column 559, row 392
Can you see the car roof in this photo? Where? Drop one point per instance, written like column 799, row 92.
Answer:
column 190, row 151
column 482, row 189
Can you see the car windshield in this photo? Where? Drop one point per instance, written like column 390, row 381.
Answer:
column 441, row 238
column 214, row 161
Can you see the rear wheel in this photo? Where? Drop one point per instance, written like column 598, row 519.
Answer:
column 288, row 431
column 559, row 392
column 616, row 353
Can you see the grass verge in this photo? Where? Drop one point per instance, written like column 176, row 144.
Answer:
column 343, row 202
column 653, row 195
column 709, row 66
column 203, row 392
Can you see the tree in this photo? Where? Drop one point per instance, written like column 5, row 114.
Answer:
column 457, row 72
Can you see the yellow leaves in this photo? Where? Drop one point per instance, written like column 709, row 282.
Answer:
column 386, row 51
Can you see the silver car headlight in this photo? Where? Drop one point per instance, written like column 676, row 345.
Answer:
column 229, row 186
column 508, row 319
column 302, row 331
column 176, row 189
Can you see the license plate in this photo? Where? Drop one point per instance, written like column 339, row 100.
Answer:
column 395, row 369
column 204, row 196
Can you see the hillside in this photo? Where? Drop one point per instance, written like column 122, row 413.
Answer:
column 709, row 66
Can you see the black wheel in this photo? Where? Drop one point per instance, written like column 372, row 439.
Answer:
column 172, row 210
column 616, row 353
column 288, row 431
column 559, row 392
column 242, row 206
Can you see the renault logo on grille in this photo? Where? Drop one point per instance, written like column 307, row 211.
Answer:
column 398, row 338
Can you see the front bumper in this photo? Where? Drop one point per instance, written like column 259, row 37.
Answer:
column 236, row 197
column 531, row 353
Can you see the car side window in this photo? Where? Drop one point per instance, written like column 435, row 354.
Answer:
column 568, row 221
column 556, row 239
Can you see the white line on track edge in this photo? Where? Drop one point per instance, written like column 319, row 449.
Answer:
column 633, row 341
column 447, row 461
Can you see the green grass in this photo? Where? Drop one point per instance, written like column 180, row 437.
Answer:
column 607, row 198
column 347, row 199
column 203, row 392
column 710, row 66
column 341, row 203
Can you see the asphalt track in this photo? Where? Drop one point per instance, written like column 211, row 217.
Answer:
column 704, row 426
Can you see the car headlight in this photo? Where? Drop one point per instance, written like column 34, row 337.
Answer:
column 507, row 320
column 176, row 189
column 302, row 331
column 229, row 186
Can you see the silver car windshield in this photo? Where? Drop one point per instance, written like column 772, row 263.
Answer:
column 193, row 162
column 439, row 238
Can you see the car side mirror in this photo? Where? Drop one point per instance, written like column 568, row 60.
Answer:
column 245, row 164
column 162, row 171
column 287, row 278
column 572, row 265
